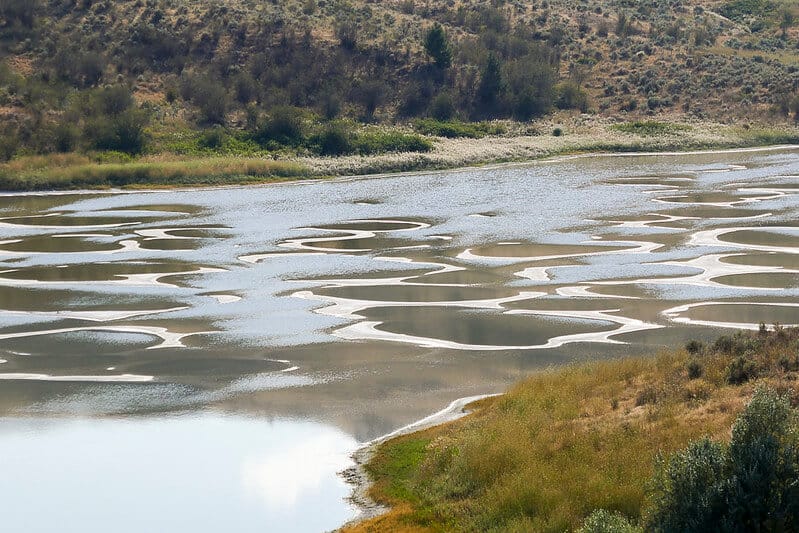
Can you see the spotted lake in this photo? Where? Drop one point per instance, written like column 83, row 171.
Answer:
column 207, row 360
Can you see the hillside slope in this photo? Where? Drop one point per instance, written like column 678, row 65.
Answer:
column 238, row 63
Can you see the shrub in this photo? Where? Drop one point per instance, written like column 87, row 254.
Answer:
column 750, row 485
column 455, row 129
column 557, row 132
column 648, row 395
column 694, row 347
column 649, row 127
column 741, row 370
column 335, row 139
column 569, row 95
column 212, row 139
column 603, row 521
column 442, row 108
column 284, row 126
column 381, row 142
column 124, row 132
column 695, row 369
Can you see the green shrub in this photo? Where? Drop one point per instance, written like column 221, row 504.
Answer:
column 442, row 107
column 212, row 139
column 557, row 132
column 695, row 369
column 740, row 370
column 694, row 347
column 604, row 521
column 335, row 139
column 390, row 141
column 455, row 129
column 123, row 132
column 284, row 126
column 649, row 127
column 750, row 485
column 569, row 95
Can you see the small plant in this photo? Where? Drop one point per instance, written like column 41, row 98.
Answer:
column 788, row 363
column 604, row 521
column 694, row 347
column 557, row 132
column 646, row 396
column 695, row 369
column 649, row 128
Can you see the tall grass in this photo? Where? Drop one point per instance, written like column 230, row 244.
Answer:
column 568, row 441
column 75, row 171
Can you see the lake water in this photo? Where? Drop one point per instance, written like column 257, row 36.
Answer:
column 208, row 360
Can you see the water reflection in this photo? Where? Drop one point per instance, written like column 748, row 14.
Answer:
column 204, row 472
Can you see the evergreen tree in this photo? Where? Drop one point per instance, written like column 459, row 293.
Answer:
column 437, row 46
column 491, row 86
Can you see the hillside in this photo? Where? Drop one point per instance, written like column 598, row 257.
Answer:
column 149, row 75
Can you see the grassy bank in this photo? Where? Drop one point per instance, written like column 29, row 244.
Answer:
column 73, row 171
column 195, row 161
column 570, row 441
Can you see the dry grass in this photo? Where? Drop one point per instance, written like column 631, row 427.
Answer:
column 567, row 441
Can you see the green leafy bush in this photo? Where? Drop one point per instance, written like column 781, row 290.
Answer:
column 649, row 127
column 604, row 521
column 750, row 485
column 455, row 129
column 740, row 370
column 390, row 141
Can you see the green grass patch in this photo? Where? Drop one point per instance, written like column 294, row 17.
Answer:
column 379, row 142
column 648, row 128
column 455, row 129
column 74, row 171
column 398, row 464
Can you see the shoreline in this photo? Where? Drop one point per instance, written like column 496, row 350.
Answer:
column 357, row 475
column 488, row 164
column 582, row 438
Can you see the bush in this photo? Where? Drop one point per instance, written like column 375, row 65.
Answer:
column 212, row 139
column 750, row 485
column 649, row 127
column 741, row 370
column 442, row 107
column 695, row 369
column 124, row 132
column 603, row 521
column 694, row 347
column 284, row 126
column 455, row 129
column 381, row 142
column 571, row 96
column 557, row 132
column 648, row 395
column 335, row 139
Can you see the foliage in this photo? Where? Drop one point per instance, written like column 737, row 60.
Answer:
column 455, row 129
column 436, row 45
column 750, row 485
column 649, row 128
column 602, row 521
